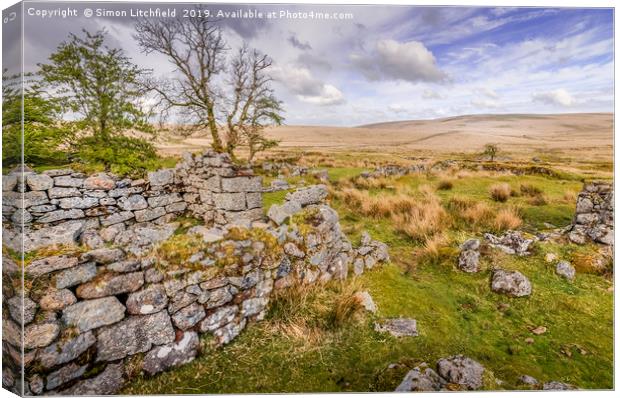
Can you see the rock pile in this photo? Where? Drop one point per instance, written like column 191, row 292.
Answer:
column 393, row 170
column 594, row 215
column 511, row 242
column 458, row 370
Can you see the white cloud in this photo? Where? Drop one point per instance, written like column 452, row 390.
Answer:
column 306, row 87
column 485, row 103
column 558, row 97
column 329, row 95
column 391, row 60
column 397, row 108
column 431, row 94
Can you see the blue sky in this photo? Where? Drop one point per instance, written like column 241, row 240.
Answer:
column 406, row 62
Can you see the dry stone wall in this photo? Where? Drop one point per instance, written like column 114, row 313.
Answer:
column 126, row 299
column 57, row 206
column 594, row 215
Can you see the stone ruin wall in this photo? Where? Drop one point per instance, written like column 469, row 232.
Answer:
column 117, row 304
column 207, row 186
column 594, row 215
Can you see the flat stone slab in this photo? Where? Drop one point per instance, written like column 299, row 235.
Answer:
column 91, row 314
column 133, row 335
column 398, row 327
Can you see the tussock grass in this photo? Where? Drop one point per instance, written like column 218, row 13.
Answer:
column 530, row 190
column 500, row 192
column 506, row 219
column 445, row 185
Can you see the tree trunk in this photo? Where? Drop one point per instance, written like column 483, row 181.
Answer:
column 217, row 141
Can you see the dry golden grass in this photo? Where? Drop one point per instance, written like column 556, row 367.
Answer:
column 311, row 315
column 507, row 218
column 500, row 192
column 373, row 183
column 418, row 217
column 423, row 218
column 569, row 196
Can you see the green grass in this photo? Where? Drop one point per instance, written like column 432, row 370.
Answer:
column 456, row 313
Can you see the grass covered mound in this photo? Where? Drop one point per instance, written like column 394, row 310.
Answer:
column 317, row 339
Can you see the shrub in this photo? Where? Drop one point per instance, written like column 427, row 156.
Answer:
column 445, row 185
column 120, row 155
column 507, row 219
column 500, row 192
column 530, row 190
column 537, row 200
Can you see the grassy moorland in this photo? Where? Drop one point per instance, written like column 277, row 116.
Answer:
column 315, row 340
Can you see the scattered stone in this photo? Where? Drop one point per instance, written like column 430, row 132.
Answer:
column 529, row 380
column 421, row 378
column 512, row 242
column 558, row 386
column 565, row 269
column 461, row 370
column 539, row 330
column 529, row 340
column 134, row 334
column 171, row 355
column 398, row 327
column 469, row 256
column 366, row 301
column 91, row 314
column 511, row 283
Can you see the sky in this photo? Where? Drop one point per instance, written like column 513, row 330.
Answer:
column 386, row 63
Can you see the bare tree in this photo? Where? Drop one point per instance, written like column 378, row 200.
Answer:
column 196, row 48
column 253, row 104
